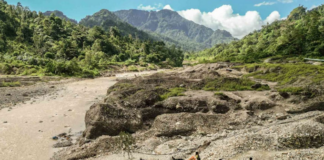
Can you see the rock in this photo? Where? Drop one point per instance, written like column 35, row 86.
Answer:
column 103, row 144
column 284, row 94
column 25, row 94
column 313, row 106
column 52, row 86
column 256, row 86
column 251, row 113
column 281, row 117
column 317, row 63
column 182, row 85
column 40, row 121
column 62, row 135
column 220, row 108
column 264, row 116
column 320, row 119
column 302, row 135
column 8, row 94
column 259, row 103
column 84, row 141
column 70, row 110
column 105, row 119
column 183, row 123
column 5, row 121
column 185, row 104
column 63, row 144
column 268, row 60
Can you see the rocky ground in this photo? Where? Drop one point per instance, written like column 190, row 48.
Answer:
column 263, row 124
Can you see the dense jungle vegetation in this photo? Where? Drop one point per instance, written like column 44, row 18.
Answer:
column 34, row 44
column 300, row 35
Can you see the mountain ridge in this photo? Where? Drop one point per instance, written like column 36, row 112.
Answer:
column 171, row 24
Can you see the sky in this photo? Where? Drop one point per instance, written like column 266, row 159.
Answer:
column 239, row 17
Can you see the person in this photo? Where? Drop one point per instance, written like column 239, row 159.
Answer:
column 195, row 157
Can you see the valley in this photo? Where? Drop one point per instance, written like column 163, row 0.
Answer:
column 154, row 83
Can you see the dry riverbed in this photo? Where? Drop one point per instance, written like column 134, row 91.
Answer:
column 26, row 129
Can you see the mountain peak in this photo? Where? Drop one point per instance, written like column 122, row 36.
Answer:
column 60, row 14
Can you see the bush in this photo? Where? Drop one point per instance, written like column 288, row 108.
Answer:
column 89, row 73
column 132, row 68
column 49, row 55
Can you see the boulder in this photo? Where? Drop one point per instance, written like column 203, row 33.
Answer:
column 284, row 94
column 105, row 119
column 302, row 135
column 184, row 123
column 256, row 86
column 307, row 107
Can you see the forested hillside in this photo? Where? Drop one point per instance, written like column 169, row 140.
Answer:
column 31, row 43
column 170, row 24
column 107, row 19
column 60, row 14
column 300, row 35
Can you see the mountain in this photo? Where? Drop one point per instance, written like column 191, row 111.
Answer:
column 61, row 15
column 107, row 19
column 300, row 36
column 170, row 24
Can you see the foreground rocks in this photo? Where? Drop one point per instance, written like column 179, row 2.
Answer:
column 226, row 125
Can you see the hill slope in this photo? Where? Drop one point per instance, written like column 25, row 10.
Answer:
column 49, row 45
column 300, row 35
column 171, row 24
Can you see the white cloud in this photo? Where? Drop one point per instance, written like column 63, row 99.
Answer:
column 265, row 4
column 286, row 1
column 272, row 17
column 314, row 6
column 149, row 7
column 168, row 7
column 225, row 19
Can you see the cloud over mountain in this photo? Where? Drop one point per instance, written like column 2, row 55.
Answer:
column 224, row 18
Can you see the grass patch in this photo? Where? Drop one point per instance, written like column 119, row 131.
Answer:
column 173, row 92
column 10, row 84
column 120, row 86
column 292, row 90
column 287, row 73
column 228, row 84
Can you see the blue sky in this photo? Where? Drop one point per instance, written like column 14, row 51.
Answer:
column 78, row 9
column 203, row 12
